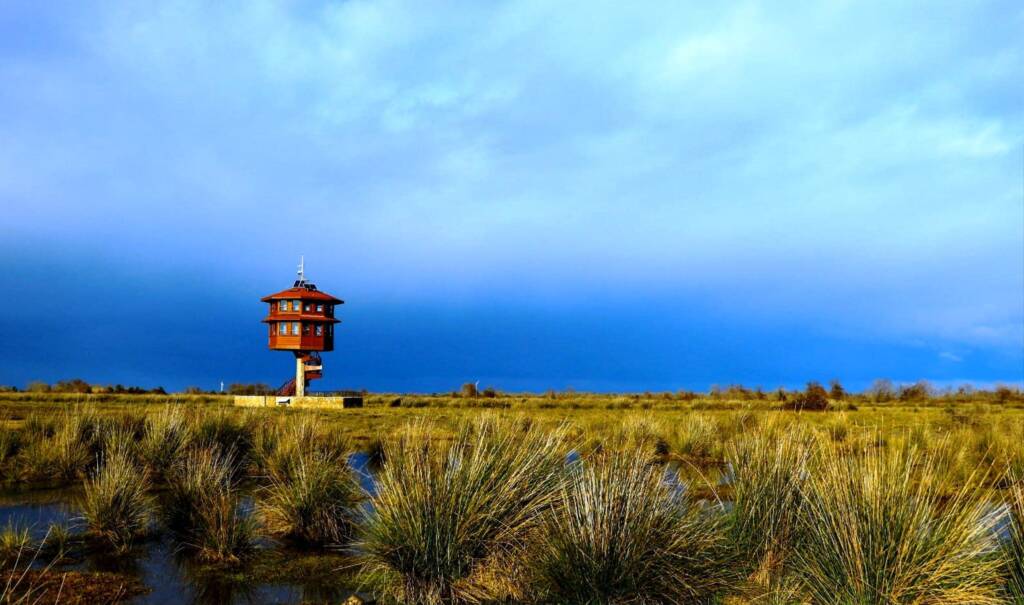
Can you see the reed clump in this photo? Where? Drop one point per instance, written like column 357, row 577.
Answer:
column 116, row 505
column 877, row 531
column 621, row 534
column 311, row 499
column 165, row 438
column 15, row 542
column 1012, row 543
column 203, row 506
column 448, row 514
column 768, row 474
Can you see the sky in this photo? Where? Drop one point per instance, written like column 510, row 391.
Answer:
column 607, row 196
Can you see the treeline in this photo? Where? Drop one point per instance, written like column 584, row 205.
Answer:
column 813, row 396
column 77, row 385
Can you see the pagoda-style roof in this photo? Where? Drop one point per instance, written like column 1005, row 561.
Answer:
column 305, row 291
column 307, row 317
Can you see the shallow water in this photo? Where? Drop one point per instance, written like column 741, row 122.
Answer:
column 171, row 576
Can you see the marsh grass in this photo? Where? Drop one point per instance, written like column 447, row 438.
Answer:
column 165, row 438
column 116, row 505
column 878, row 532
column 621, row 534
column 696, row 439
column 203, row 507
column 1013, row 544
column 447, row 512
column 15, row 542
column 313, row 501
column 769, row 471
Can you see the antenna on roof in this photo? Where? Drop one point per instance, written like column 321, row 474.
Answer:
column 302, row 269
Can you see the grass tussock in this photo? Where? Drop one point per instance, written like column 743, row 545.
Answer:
column 1013, row 543
column 165, row 438
column 116, row 505
column 203, row 507
column 621, row 534
column 878, row 532
column 311, row 499
column 448, row 514
column 768, row 475
column 15, row 542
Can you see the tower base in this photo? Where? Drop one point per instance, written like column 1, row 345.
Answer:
column 316, row 401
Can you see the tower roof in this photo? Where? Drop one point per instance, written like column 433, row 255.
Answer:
column 305, row 291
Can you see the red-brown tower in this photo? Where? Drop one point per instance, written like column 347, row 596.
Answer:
column 301, row 320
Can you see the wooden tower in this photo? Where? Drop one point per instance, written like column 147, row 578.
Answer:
column 301, row 320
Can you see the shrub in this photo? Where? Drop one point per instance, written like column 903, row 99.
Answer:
column 621, row 534
column 446, row 514
column 469, row 390
column 814, row 398
column 836, row 390
column 115, row 505
column 879, row 531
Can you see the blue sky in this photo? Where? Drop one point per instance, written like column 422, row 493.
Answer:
column 608, row 196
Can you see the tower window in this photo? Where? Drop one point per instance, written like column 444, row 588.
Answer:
column 296, row 305
column 308, row 306
column 319, row 308
column 319, row 330
column 295, row 328
column 282, row 305
column 305, row 329
column 282, row 328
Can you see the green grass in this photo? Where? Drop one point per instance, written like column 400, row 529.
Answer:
column 203, row 506
column 620, row 534
column 877, row 531
column 769, row 471
column 449, row 515
column 1013, row 547
column 876, row 503
column 116, row 505
column 311, row 499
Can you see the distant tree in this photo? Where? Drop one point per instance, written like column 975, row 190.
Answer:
column 238, row 388
column 781, row 395
column 193, row 390
column 158, row 391
column 919, row 391
column 469, row 390
column 490, row 393
column 1006, row 394
column 37, row 386
column 75, row 385
column 5, row 388
column 836, row 390
column 814, row 398
column 882, row 390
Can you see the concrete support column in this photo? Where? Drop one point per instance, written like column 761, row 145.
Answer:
column 300, row 377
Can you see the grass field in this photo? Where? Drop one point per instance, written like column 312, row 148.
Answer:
column 559, row 498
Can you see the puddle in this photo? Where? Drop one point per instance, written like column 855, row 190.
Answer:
column 173, row 577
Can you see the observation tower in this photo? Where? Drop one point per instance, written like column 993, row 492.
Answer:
column 301, row 320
